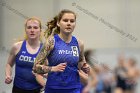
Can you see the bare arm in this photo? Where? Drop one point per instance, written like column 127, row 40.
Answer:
column 10, row 63
column 40, row 79
column 83, row 77
column 39, row 65
column 82, row 64
column 92, row 81
column 81, row 55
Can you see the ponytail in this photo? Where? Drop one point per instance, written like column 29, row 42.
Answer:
column 52, row 28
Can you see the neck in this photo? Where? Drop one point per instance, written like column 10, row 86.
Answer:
column 66, row 38
column 33, row 43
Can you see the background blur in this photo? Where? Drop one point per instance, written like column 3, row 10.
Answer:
column 108, row 27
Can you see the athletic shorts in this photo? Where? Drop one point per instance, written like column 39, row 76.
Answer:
column 19, row 90
column 50, row 90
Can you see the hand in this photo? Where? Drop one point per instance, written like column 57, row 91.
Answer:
column 59, row 68
column 8, row 79
column 85, row 68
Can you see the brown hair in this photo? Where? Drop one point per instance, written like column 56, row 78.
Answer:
column 52, row 25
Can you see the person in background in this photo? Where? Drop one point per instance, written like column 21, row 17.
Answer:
column 133, row 74
column 92, row 80
column 121, row 75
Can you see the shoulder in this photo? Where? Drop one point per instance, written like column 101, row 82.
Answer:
column 81, row 44
column 17, row 44
column 16, row 47
column 49, row 44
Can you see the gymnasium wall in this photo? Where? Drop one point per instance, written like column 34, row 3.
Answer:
column 109, row 27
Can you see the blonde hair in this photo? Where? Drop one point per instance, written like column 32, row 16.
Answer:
column 39, row 21
column 52, row 25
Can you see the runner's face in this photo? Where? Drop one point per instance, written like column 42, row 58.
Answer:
column 33, row 29
column 67, row 23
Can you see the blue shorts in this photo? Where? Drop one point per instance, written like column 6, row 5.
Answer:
column 50, row 90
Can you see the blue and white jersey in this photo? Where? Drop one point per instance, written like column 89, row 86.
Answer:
column 24, row 77
column 69, row 53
